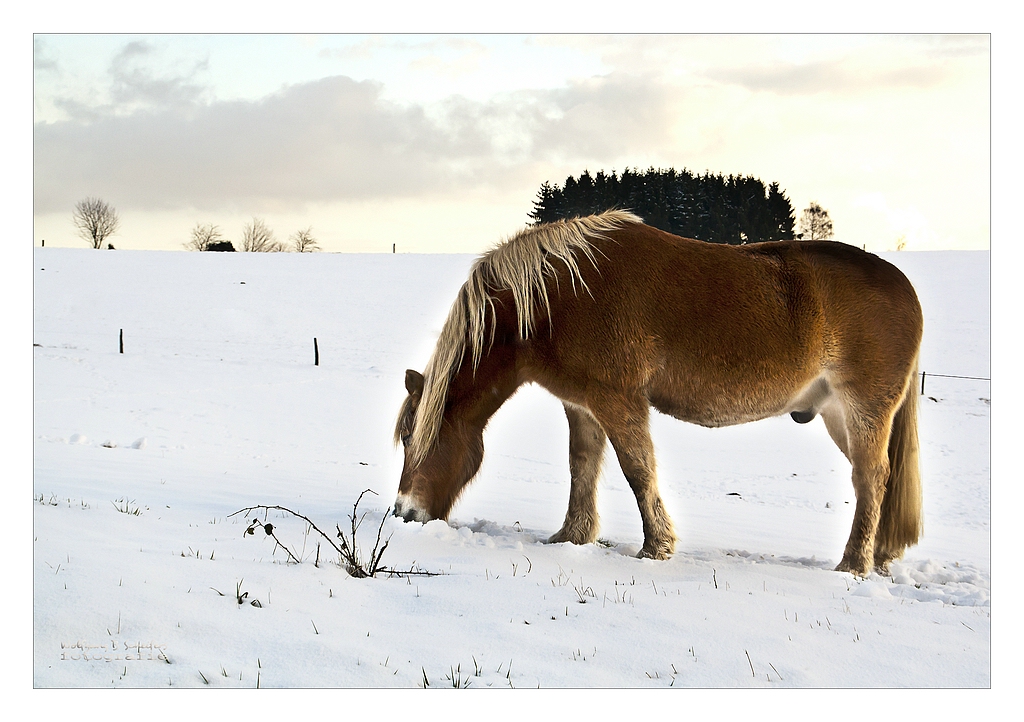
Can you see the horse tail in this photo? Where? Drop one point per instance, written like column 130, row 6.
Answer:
column 900, row 521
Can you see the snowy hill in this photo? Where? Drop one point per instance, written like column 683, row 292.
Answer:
column 216, row 405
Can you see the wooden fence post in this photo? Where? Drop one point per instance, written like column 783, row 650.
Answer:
column 316, row 353
column 120, row 340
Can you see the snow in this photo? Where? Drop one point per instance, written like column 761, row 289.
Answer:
column 141, row 458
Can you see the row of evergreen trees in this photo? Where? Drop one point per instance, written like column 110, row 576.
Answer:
column 715, row 208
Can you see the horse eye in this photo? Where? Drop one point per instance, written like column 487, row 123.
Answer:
column 405, row 439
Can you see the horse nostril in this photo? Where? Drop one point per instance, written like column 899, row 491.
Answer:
column 402, row 513
column 405, row 510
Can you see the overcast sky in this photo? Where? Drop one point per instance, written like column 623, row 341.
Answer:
column 439, row 143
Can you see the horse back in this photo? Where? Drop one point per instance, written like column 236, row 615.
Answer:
column 718, row 334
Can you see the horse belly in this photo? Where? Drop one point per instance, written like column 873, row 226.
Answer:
column 727, row 402
column 712, row 415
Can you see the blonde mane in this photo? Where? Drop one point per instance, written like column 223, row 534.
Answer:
column 521, row 265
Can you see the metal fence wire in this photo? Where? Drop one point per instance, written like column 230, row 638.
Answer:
column 949, row 376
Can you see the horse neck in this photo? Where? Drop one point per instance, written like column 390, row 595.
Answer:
column 476, row 394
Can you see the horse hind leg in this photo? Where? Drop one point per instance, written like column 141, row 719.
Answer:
column 883, row 450
column 586, row 453
column 626, row 424
column 899, row 524
column 867, row 451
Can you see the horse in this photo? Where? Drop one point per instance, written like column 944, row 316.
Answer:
column 614, row 317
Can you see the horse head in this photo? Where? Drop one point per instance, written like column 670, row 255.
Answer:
column 432, row 479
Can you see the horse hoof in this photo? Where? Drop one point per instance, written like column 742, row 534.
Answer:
column 567, row 539
column 572, row 536
column 857, row 570
column 660, row 554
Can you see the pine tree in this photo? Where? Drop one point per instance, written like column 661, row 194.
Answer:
column 543, row 207
column 713, row 208
column 780, row 214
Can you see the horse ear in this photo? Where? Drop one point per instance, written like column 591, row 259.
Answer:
column 414, row 382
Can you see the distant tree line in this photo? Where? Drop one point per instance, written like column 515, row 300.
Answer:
column 716, row 208
column 96, row 220
column 256, row 237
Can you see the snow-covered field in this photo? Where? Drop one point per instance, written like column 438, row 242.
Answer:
column 215, row 405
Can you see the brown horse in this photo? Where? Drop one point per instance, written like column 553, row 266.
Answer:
column 614, row 317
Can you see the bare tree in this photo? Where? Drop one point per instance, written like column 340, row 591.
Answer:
column 95, row 220
column 815, row 224
column 203, row 236
column 258, row 238
column 303, row 241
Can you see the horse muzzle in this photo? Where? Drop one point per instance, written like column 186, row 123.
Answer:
column 407, row 510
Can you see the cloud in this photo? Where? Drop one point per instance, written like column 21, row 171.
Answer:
column 606, row 116
column 331, row 139
column 954, row 46
column 825, row 76
column 139, row 77
column 309, row 142
column 41, row 60
column 134, row 85
column 789, row 64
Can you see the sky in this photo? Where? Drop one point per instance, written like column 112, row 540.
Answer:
column 439, row 143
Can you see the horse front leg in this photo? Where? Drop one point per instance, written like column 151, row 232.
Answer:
column 586, row 452
column 626, row 423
